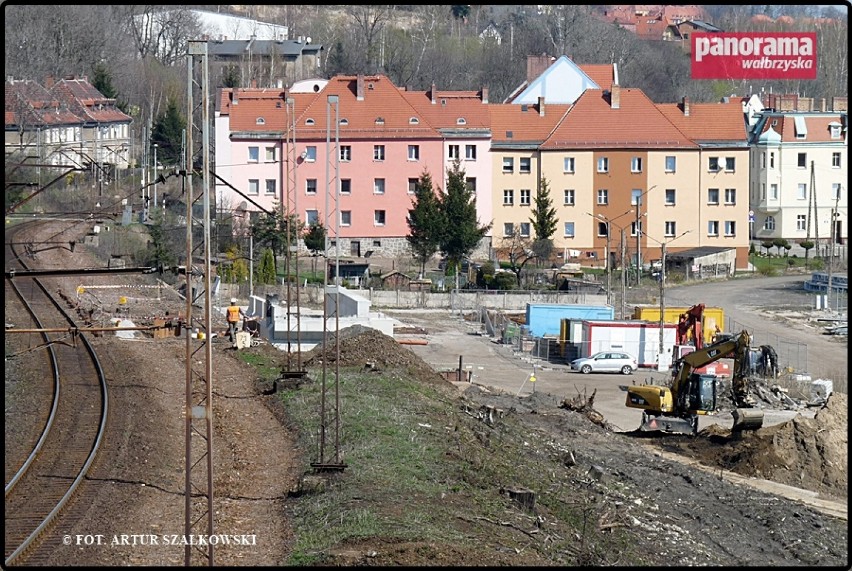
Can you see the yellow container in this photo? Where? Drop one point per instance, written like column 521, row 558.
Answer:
column 713, row 317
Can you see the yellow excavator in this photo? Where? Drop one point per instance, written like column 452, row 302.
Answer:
column 676, row 408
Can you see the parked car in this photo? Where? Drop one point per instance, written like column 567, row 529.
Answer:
column 606, row 362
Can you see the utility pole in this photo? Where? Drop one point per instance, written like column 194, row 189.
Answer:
column 663, row 366
column 623, row 275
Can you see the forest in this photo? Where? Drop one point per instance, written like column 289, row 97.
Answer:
column 414, row 46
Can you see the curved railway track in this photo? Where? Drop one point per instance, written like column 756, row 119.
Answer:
column 45, row 482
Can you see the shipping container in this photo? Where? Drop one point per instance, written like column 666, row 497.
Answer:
column 641, row 339
column 544, row 319
column 713, row 317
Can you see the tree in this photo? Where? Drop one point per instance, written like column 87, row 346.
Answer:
column 168, row 133
column 462, row 231
column 270, row 229
column 544, row 222
column 806, row 245
column 425, row 222
column 518, row 251
column 779, row 243
column 157, row 252
column 266, row 271
column 102, row 81
column 766, row 245
column 315, row 240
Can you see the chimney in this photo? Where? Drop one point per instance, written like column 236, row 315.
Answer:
column 432, row 93
column 485, row 95
column 685, row 105
column 254, row 84
column 49, row 81
column 615, row 97
column 540, row 106
column 359, row 88
column 234, row 96
column 822, row 105
column 536, row 65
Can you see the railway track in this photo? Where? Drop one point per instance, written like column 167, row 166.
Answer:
column 47, row 480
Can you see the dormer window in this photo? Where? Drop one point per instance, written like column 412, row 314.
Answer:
column 260, row 121
column 370, row 86
column 344, row 121
column 834, row 129
column 380, row 120
column 461, row 121
column 310, row 121
column 414, row 121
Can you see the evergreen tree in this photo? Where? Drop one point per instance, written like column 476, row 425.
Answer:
column 425, row 222
column 266, row 271
column 167, row 133
column 462, row 231
column 102, row 81
column 315, row 240
column 544, row 222
column 270, row 230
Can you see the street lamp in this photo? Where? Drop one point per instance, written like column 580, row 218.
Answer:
column 608, row 222
column 661, row 365
column 639, row 234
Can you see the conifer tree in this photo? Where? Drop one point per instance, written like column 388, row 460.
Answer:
column 544, row 222
column 425, row 222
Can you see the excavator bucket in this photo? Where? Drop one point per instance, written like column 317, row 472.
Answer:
column 747, row 419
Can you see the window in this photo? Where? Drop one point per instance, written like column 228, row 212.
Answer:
column 569, row 229
column 603, row 164
column 453, row 152
column 834, row 127
column 508, row 197
column 568, row 197
column 636, row 164
column 311, row 217
column 270, row 154
column 730, row 196
column 412, row 185
column 253, row 154
column 773, row 191
column 379, row 217
column 713, row 164
column 310, row 154
column 603, row 196
column 378, row 152
column 635, row 197
column 378, row 186
column 524, row 165
column 763, row 191
column 713, row 196
column 413, row 152
column 525, row 229
column 470, row 182
column 254, row 186
column 270, row 186
column 470, row 152
column 730, row 228
column 602, row 228
column 636, row 228
column 670, row 196
column 803, row 160
column 772, row 159
column 311, row 186
column 835, row 191
column 413, row 121
column 713, row 228
column 671, row 227
column 730, row 164
column 508, row 229
column 508, row 164
column 345, row 217
column 525, row 197
column 346, row 186
column 835, row 160
column 377, row 243
column 671, row 164
column 802, row 192
column 769, row 223
column 345, row 153
column 568, row 164
column 801, row 221
column 763, row 160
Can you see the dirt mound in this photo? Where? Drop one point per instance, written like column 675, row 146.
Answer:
column 369, row 348
column 802, row 452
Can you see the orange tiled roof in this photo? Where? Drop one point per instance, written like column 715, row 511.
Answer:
column 449, row 107
column 708, row 121
column 817, row 126
column 602, row 74
column 525, row 126
column 593, row 123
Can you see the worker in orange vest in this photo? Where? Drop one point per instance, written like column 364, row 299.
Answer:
column 234, row 314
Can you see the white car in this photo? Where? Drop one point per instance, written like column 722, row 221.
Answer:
column 606, row 362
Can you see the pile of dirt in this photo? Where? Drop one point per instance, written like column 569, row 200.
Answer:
column 802, row 452
column 371, row 349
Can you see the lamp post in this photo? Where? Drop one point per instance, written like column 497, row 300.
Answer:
column 661, row 365
column 639, row 234
column 608, row 222
column 156, row 173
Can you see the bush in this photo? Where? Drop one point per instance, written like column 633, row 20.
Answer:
column 767, row 271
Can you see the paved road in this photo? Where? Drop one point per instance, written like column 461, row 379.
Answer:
column 450, row 337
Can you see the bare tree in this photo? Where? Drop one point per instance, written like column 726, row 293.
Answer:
column 370, row 20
